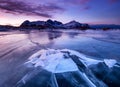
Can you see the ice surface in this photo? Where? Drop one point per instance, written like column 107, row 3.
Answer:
column 56, row 61
column 90, row 82
column 52, row 60
column 87, row 61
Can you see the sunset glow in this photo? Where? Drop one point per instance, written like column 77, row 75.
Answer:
column 14, row 12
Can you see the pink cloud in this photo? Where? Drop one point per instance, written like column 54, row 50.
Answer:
column 74, row 2
column 79, row 1
column 22, row 7
column 1, row 16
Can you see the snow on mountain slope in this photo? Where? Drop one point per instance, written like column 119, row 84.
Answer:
column 73, row 24
column 53, row 24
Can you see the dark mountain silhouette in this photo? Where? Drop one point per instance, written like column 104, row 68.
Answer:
column 7, row 27
column 103, row 26
column 53, row 24
column 70, row 25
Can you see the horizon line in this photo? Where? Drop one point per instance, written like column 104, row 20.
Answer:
column 90, row 23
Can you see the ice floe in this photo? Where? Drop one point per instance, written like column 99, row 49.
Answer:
column 70, row 68
column 59, row 60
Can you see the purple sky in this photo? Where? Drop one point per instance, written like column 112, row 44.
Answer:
column 85, row 11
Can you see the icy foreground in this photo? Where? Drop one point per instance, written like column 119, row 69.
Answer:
column 68, row 68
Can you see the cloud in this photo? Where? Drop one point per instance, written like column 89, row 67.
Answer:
column 113, row 1
column 80, row 4
column 1, row 16
column 77, row 1
column 87, row 8
column 83, row 1
column 20, row 7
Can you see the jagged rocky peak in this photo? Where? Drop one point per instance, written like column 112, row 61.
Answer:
column 26, row 22
column 73, row 21
column 50, row 21
column 73, row 24
column 54, row 22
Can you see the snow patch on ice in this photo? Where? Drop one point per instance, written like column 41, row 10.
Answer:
column 52, row 60
column 56, row 61
column 110, row 62
column 87, row 61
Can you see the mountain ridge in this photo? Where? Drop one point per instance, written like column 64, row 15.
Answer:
column 54, row 24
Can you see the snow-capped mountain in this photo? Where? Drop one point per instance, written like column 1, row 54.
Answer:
column 73, row 24
column 53, row 24
column 70, row 25
column 37, row 24
column 68, row 68
column 42, row 24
